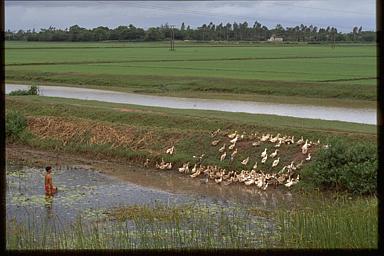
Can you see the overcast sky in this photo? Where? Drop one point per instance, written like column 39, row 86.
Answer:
column 342, row 14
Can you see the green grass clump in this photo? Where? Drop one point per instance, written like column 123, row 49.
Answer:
column 345, row 223
column 345, row 166
column 33, row 90
column 15, row 124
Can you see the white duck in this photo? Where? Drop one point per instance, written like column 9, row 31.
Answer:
column 265, row 137
column 300, row 141
column 231, row 146
column 274, row 139
column 146, row 163
column 291, row 182
column 292, row 166
column 233, row 154
column 264, row 159
column 213, row 134
column 274, row 154
column 264, row 153
column 245, row 161
column 168, row 166
column 197, row 173
column 170, row 150
column 222, row 157
column 276, row 162
column 304, row 148
column 194, row 169
column 231, row 136
column 222, row 148
column 259, row 182
column 219, row 180
column 282, row 170
column 249, row 182
column 235, row 139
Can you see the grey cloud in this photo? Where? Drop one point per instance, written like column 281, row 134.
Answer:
column 341, row 14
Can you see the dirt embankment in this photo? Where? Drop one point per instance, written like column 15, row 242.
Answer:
column 26, row 155
column 91, row 133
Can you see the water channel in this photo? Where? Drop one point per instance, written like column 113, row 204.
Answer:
column 356, row 115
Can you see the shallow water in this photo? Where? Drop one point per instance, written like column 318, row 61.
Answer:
column 90, row 193
column 356, row 115
column 79, row 190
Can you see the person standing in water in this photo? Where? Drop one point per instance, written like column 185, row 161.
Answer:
column 50, row 190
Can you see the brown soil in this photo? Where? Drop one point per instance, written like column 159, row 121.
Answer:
column 137, row 111
column 27, row 155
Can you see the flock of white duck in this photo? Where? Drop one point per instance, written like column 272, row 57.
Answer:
column 288, row 174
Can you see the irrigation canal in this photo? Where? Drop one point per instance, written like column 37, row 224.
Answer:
column 355, row 115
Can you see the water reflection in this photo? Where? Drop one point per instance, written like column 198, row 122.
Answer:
column 49, row 206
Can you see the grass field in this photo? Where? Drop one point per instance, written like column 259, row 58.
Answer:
column 305, row 73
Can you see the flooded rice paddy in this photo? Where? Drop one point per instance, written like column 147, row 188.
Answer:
column 90, row 195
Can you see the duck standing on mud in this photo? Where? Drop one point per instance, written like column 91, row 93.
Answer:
column 50, row 190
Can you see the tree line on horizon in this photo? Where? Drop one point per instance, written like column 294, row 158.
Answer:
column 210, row 32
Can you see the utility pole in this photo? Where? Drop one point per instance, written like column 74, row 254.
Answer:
column 333, row 39
column 203, row 33
column 172, row 38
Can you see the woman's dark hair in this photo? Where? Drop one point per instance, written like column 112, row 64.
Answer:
column 48, row 168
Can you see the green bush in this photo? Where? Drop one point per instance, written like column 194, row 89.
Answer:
column 345, row 167
column 33, row 90
column 15, row 124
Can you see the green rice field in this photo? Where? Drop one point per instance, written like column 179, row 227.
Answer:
column 238, row 71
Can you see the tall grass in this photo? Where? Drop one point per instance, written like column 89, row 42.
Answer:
column 144, row 227
column 15, row 124
column 345, row 223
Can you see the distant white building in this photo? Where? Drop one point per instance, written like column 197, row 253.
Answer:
column 275, row 39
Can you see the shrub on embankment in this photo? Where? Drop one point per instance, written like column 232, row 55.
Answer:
column 33, row 90
column 15, row 124
column 343, row 166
